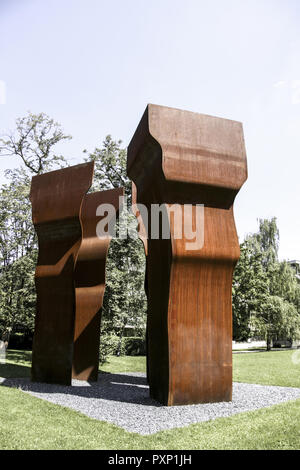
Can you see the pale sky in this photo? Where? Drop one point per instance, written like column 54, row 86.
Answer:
column 93, row 66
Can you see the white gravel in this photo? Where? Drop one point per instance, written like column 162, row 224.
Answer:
column 123, row 399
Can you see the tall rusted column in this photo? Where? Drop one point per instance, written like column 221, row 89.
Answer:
column 70, row 273
column 90, row 282
column 56, row 199
column 143, row 236
column 179, row 157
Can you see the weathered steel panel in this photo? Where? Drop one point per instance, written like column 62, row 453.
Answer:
column 90, row 284
column 56, row 199
column 181, row 157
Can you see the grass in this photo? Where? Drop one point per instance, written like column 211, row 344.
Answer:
column 27, row 422
column 124, row 364
column 267, row 368
column 17, row 364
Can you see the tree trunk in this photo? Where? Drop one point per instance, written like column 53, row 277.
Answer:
column 269, row 343
column 5, row 338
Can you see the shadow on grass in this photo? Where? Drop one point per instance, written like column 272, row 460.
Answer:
column 18, row 364
column 125, row 388
column 14, row 370
column 18, row 355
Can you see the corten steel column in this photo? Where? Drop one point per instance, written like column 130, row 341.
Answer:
column 187, row 158
column 142, row 232
column 56, row 199
column 143, row 236
column 90, row 283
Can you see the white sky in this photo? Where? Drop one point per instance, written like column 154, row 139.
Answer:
column 94, row 65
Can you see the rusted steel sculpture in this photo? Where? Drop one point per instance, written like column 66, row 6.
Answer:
column 142, row 232
column 70, row 274
column 56, row 199
column 90, row 283
column 187, row 158
column 143, row 236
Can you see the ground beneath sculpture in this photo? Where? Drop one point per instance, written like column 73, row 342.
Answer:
column 123, row 399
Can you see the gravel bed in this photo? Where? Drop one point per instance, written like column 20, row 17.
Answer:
column 123, row 399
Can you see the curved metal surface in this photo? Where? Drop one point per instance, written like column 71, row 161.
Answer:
column 70, row 274
column 56, row 199
column 143, row 236
column 187, row 158
column 90, row 284
column 142, row 233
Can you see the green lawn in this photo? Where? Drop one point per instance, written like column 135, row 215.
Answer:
column 268, row 368
column 18, row 364
column 124, row 364
column 27, row 422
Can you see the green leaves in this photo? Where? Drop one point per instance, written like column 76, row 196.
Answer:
column 125, row 299
column 33, row 141
column 266, row 293
column 110, row 166
column 125, row 302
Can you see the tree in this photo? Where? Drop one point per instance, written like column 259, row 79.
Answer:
column 17, row 259
column 284, row 283
column 33, row 141
column 110, row 166
column 268, row 239
column 250, row 285
column 17, row 301
column 276, row 319
column 125, row 299
column 266, row 293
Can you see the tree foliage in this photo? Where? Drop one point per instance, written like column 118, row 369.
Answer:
column 110, row 166
column 266, row 292
column 34, row 142
column 249, row 287
column 125, row 299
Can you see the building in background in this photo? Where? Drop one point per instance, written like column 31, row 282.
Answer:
column 295, row 263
